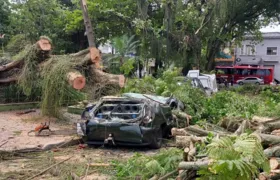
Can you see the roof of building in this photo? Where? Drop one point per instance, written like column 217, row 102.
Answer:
column 266, row 35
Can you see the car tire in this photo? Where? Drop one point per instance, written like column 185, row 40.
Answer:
column 257, row 83
column 240, row 83
column 156, row 142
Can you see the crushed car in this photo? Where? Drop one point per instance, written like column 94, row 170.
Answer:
column 131, row 119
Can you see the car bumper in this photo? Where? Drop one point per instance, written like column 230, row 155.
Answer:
column 133, row 134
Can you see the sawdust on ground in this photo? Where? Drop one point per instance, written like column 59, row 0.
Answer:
column 14, row 131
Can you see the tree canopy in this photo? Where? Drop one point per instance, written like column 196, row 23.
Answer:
column 187, row 33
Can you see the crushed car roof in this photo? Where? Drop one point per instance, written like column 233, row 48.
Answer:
column 159, row 99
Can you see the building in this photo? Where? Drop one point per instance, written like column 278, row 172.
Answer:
column 264, row 53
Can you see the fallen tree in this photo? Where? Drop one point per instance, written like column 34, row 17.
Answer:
column 57, row 76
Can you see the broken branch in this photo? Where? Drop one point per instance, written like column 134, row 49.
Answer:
column 45, row 170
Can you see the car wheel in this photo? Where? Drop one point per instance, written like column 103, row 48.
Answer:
column 241, row 83
column 257, row 83
column 157, row 139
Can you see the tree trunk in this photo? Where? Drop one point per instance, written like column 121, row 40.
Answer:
column 88, row 25
column 212, row 49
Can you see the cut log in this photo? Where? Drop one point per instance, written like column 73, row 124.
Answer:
column 269, row 127
column 179, row 132
column 263, row 176
column 272, row 151
column 197, row 131
column 193, row 165
column 76, row 80
column 184, row 141
column 107, row 78
column 274, row 163
column 186, row 153
column 8, row 80
column 268, row 140
column 44, row 44
column 192, row 152
column 183, row 117
column 11, row 65
column 242, row 128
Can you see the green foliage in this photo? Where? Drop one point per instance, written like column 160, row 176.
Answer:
column 4, row 15
column 127, row 66
column 35, row 18
column 226, row 103
column 55, row 87
column 235, row 158
column 110, row 18
column 29, row 77
column 147, row 166
column 243, row 102
column 16, row 44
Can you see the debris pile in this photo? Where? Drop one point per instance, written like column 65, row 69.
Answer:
column 232, row 137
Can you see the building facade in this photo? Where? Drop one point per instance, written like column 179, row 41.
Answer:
column 264, row 54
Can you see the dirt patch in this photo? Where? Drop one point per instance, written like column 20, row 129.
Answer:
column 15, row 128
column 32, row 163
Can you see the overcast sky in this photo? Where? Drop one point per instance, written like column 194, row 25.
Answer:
column 272, row 28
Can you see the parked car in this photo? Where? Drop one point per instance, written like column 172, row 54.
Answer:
column 250, row 80
column 132, row 119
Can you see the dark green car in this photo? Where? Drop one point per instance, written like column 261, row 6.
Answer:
column 133, row 119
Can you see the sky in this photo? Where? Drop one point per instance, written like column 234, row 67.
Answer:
column 272, row 28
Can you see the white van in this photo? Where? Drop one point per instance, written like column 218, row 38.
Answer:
column 208, row 80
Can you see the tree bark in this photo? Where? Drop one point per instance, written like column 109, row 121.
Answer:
column 272, row 151
column 268, row 140
column 193, row 165
column 242, row 128
column 179, row 132
column 185, row 141
column 88, row 25
column 213, row 48
column 269, row 127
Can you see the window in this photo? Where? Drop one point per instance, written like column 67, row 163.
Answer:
column 271, row 51
column 248, row 50
column 261, row 72
column 250, row 79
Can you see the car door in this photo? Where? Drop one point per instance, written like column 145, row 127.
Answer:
column 247, row 80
